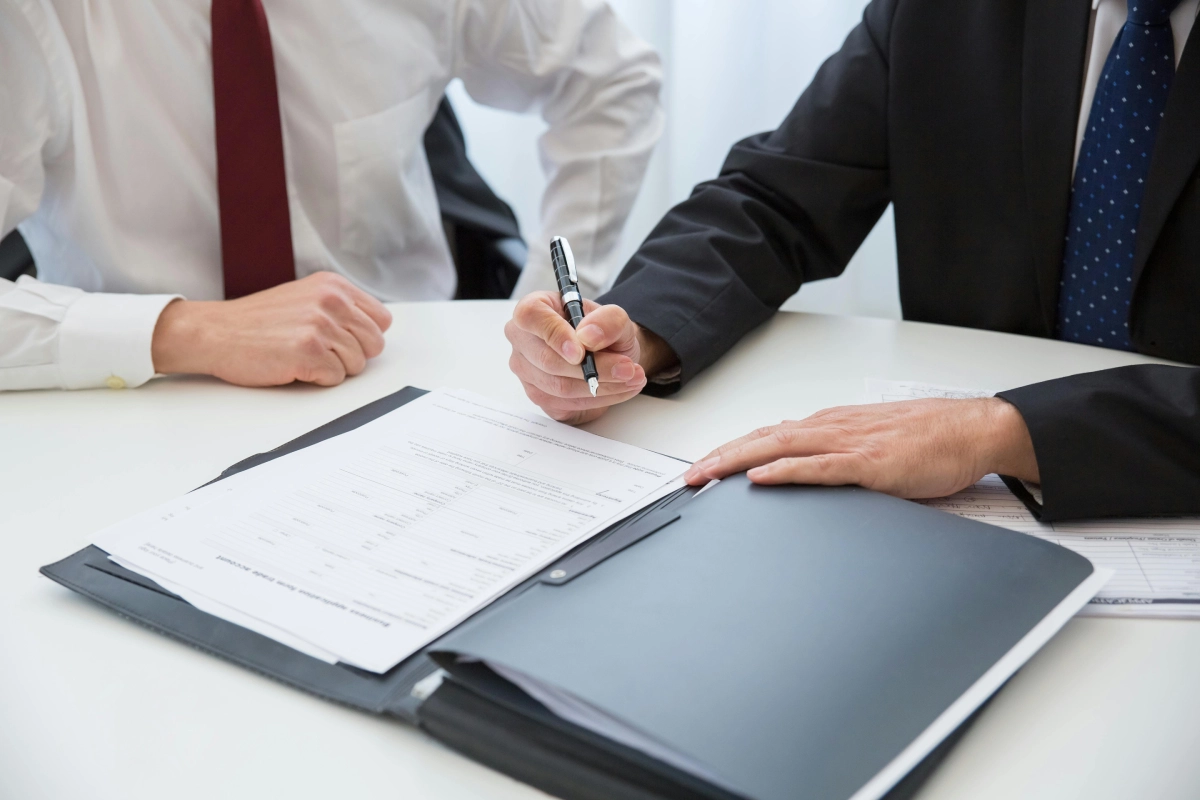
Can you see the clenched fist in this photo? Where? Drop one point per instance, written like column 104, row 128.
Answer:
column 547, row 352
column 318, row 330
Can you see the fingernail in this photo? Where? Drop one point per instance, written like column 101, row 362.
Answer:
column 707, row 464
column 623, row 371
column 590, row 335
column 570, row 351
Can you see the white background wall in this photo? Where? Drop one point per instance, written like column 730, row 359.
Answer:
column 733, row 68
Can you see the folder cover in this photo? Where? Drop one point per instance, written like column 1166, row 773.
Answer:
column 795, row 641
column 746, row 642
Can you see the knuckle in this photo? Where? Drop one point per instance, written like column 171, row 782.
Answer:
column 553, row 407
column 331, row 300
column 822, row 462
column 520, row 367
column 558, row 385
column 561, row 414
column 616, row 319
column 545, row 359
column 784, row 436
column 373, row 347
column 551, row 333
column 534, row 394
column 871, row 453
column 312, row 344
column 527, row 308
column 841, row 431
column 317, row 320
column 312, row 374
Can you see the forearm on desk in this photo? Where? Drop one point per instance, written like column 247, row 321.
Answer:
column 1116, row 443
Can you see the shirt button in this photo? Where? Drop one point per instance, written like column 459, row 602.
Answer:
column 114, row 382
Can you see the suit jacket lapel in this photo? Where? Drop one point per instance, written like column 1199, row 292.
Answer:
column 1175, row 156
column 1056, row 33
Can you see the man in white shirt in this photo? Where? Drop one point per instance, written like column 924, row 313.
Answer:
column 142, row 157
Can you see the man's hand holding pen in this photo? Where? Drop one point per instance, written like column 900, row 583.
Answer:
column 547, row 354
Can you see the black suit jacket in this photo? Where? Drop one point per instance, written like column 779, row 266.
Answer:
column 963, row 114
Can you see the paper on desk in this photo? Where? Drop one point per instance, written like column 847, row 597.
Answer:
column 162, row 517
column 1156, row 560
column 371, row 544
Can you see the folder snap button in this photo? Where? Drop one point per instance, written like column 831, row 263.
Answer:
column 558, row 573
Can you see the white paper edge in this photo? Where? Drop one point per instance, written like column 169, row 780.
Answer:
column 231, row 615
column 983, row 688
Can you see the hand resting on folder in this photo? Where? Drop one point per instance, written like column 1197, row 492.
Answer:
column 914, row 448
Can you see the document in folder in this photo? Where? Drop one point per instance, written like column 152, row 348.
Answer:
column 366, row 547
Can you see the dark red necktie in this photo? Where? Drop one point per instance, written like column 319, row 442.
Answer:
column 256, row 228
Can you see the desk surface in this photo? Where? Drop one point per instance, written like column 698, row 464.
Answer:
column 94, row 706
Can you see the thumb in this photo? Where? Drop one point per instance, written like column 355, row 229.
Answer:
column 607, row 328
column 541, row 314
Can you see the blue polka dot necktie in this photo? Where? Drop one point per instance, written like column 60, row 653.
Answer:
column 1110, row 179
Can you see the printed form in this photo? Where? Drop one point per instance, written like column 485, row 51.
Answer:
column 1156, row 560
column 368, row 546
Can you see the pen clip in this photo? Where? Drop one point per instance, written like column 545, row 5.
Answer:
column 570, row 258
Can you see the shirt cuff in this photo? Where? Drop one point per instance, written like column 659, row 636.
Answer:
column 104, row 340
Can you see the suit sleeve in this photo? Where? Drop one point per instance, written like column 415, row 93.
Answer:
column 788, row 207
column 1116, row 443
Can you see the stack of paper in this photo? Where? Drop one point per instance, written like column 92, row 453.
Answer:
column 366, row 547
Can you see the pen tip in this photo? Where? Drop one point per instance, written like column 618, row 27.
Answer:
column 593, row 386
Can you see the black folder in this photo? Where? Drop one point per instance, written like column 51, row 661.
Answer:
column 784, row 642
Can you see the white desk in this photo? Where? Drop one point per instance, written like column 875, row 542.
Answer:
column 93, row 706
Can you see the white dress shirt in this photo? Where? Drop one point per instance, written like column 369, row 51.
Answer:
column 108, row 162
column 1107, row 20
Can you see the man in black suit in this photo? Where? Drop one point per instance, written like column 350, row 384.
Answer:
column 998, row 130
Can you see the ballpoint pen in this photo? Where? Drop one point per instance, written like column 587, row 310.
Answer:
column 563, row 261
